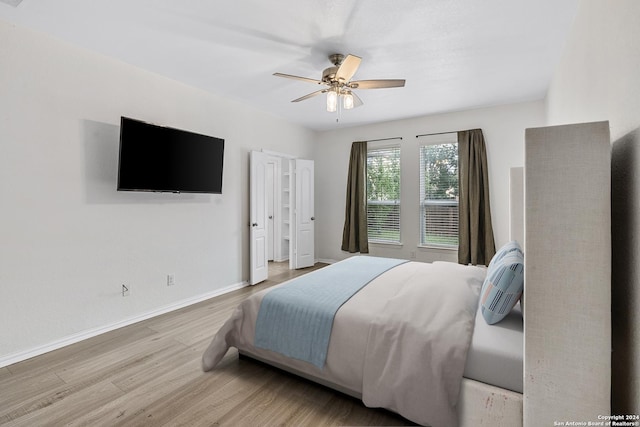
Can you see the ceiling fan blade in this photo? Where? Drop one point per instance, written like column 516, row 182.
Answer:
column 376, row 84
column 310, row 95
column 348, row 67
column 304, row 79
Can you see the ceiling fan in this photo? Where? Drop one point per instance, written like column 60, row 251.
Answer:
column 339, row 84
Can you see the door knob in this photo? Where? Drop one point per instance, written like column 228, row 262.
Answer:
column 270, row 216
column 313, row 218
column 255, row 224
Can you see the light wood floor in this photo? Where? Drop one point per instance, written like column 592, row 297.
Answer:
column 149, row 374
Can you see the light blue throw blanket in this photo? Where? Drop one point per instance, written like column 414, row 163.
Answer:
column 296, row 318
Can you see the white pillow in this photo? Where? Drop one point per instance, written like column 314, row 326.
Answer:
column 504, row 283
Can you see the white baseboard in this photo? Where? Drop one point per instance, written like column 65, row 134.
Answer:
column 326, row 260
column 80, row 336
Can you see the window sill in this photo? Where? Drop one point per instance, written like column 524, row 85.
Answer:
column 442, row 248
column 383, row 243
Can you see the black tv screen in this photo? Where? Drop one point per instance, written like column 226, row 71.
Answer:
column 156, row 158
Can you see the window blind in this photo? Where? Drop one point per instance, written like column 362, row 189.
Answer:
column 383, row 194
column 439, row 195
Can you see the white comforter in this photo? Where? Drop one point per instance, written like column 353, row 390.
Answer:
column 400, row 342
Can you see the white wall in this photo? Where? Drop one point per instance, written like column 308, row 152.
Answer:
column 503, row 129
column 68, row 240
column 599, row 79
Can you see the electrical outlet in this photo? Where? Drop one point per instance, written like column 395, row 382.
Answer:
column 125, row 290
column 171, row 279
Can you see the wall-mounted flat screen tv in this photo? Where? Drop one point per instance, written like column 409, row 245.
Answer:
column 163, row 159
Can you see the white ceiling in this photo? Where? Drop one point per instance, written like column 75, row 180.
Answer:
column 454, row 54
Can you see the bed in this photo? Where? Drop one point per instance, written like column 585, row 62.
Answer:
column 501, row 375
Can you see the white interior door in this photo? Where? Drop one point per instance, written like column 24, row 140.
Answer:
column 304, row 214
column 271, row 174
column 258, row 218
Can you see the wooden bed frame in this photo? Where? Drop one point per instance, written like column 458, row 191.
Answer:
column 567, row 329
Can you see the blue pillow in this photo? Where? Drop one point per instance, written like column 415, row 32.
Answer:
column 504, row 283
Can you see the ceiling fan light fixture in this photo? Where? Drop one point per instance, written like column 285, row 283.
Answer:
column 332, row 101
column 347, row 100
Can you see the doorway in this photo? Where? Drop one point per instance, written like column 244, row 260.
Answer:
column 281, row 212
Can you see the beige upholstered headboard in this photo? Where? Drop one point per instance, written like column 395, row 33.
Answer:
column 567, row 357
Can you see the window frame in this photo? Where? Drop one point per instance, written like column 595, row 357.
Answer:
column 430, row 140
column 377, row 146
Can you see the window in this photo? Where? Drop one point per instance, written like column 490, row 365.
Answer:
column 383, row 194
column 439, row 195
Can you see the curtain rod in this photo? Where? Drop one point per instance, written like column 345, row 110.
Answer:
column 437, row 133
column 385, row 139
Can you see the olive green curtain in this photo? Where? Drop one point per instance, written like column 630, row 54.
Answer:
column 354, row 234
column 476, row 244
